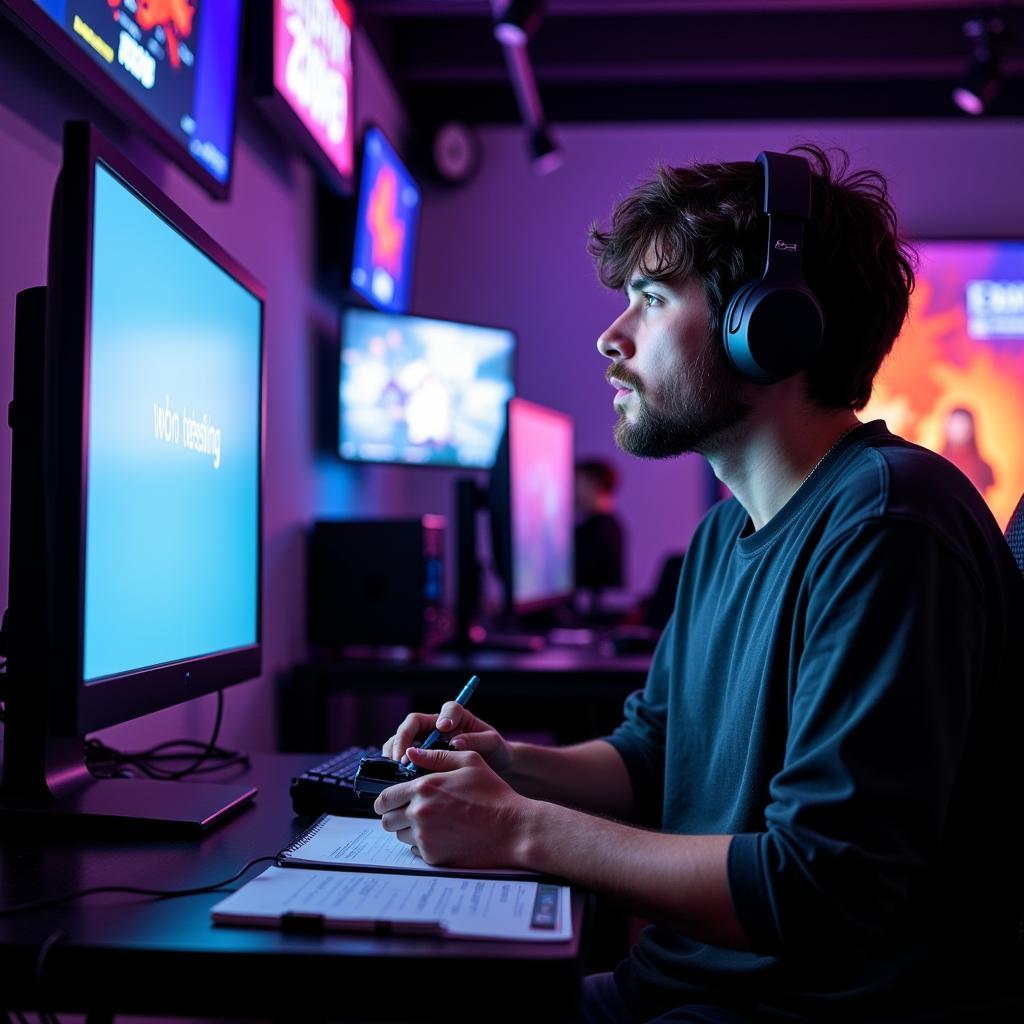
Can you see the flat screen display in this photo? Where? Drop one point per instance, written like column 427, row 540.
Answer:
column 955, row 379
column 173, row 441
column 175, row 60
column 422, row 392
column 541, row 481
column 313, row 74
column 386, row 221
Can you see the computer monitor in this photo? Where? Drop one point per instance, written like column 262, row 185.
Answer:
column 387, row 217
column 420, row 391
column 170, row 69
column 302, row 68
column 141, row 588
column 955, row 378
column 531, row 504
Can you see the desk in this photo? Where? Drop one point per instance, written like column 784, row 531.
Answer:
column 130, row 954
column 575, row 694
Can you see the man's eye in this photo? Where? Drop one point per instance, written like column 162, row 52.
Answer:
column 651, row 300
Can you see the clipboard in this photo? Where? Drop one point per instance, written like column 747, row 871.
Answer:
column 313, row 902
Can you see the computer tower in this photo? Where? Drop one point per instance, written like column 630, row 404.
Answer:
column 375, row 582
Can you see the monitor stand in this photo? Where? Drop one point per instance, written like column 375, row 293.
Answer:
column 52, row 790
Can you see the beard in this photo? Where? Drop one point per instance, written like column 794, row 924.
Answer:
column 695, row 413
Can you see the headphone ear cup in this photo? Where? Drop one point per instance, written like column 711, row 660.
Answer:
column 735, row 324
column 771, row 332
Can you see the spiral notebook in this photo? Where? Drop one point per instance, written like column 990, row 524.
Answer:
column 339, row 843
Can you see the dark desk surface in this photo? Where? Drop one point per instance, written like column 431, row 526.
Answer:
column 578, row 693
column 132, row 954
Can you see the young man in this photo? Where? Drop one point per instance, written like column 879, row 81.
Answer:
column 821, row 771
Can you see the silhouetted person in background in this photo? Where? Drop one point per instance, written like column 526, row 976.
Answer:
column 600, row 538
column 961, row 448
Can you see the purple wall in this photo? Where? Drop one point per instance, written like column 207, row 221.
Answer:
column 268, row 226
column 509, row 248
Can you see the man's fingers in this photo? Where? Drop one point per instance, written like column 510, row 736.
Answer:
column 393, row 797
column 451, row 716
column 482, row 741
column 442, row 760
column 395, row 821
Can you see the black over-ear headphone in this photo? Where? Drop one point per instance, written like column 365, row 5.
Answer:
column 773, row 325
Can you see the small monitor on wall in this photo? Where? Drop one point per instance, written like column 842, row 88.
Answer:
column 385, row 230
column 303, row 76
column 420, row 391
column 168, row 68
column 955, row 379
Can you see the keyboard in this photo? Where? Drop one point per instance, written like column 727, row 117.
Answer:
column 328, row 787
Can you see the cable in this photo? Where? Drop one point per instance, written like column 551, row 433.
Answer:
column 45, row 1016
column 162, row 894
column 107, row 762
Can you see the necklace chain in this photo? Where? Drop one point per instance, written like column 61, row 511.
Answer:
column 832, row 447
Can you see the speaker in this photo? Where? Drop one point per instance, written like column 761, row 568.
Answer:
column 773, row 325
column 375, row 582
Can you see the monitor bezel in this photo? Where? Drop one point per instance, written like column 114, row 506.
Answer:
column 78, row 708
column 277, row 109
column 357, row 220
column 457, row 466
column 54, row 42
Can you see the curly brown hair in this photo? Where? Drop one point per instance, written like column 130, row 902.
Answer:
column 708, row 219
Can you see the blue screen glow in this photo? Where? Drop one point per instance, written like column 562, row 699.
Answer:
column 172, row 494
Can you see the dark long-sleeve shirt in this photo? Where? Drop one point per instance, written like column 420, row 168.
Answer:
column 841, row 692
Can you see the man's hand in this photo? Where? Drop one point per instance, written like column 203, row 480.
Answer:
column 462, row 815
column 463, row 731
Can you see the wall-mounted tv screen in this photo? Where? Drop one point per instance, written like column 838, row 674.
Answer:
column 303, row 74
column 168, row 66
column 422, row 392
column 385, row 229
column 955, row 379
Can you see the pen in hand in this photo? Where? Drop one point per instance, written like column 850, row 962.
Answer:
column 463, row 699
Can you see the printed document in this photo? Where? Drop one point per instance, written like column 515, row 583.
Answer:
column 338, row 842
column 472, row 908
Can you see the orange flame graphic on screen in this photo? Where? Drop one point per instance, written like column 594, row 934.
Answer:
column 387, row 231
column 934, row 368
column 174, row 15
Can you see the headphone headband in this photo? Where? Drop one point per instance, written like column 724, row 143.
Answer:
column 787, row 185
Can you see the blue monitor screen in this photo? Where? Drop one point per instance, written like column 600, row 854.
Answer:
column 177, row 59
column 424, row 392
column 173, row 464
column 385, row 236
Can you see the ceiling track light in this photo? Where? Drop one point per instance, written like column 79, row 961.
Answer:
column 545, row 155
column 982, row 81
column 516, row 21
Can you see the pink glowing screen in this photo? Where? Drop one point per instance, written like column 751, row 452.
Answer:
column 313, row 72
column 955, row 379
column 541, row 483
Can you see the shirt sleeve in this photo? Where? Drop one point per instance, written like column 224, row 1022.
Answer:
column 640, row 739
column 889, row 656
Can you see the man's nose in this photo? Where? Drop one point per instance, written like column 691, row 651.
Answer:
column 614, row 342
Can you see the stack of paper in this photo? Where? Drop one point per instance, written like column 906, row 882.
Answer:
column 402, row 893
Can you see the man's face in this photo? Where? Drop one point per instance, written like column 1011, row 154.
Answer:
column 676, row 391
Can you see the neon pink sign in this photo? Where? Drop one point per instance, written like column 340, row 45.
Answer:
column 313, row 71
